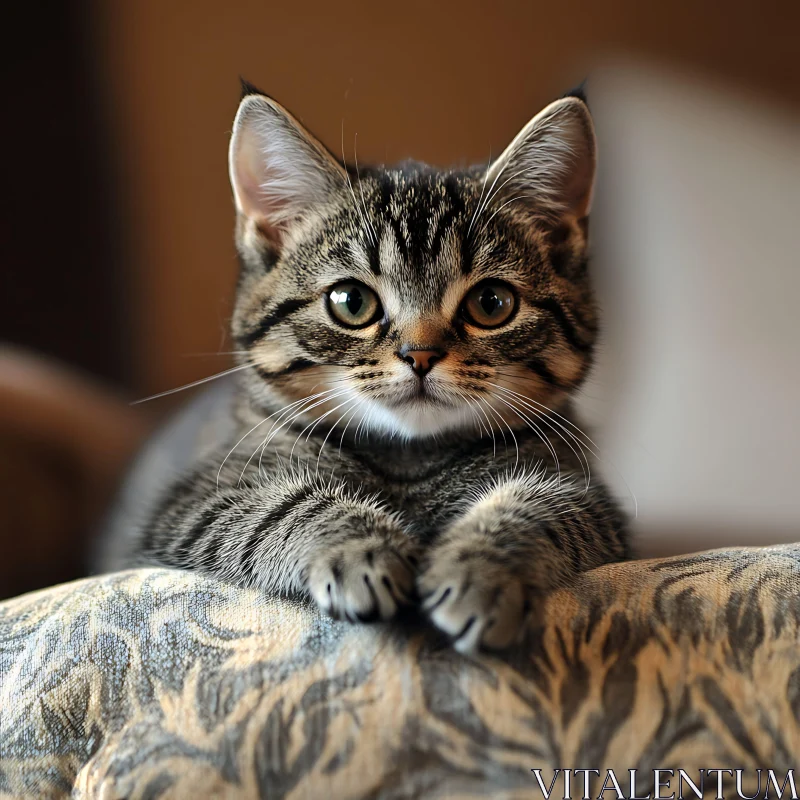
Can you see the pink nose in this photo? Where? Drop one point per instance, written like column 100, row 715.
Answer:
column 421, row 361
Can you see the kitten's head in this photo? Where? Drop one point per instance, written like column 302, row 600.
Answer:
column 413, row 300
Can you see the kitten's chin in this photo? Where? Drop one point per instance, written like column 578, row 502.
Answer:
column 417, row 419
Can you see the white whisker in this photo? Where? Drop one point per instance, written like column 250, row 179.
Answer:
column 324, row 397
column 193, row 384
column 482, row 206
column 498, row 210
column 483, row 189
column 365, row 227
column 535, row 428
column 357, row 406
column 351, row 402
column 491, row 428
column 313, row 424
column 592, row 447
column 258, row 425
column 500, row 417
column 478, row 420
column 579, row 454
column 361, row 188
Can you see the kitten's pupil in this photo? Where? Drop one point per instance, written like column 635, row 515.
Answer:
column 354, row 301
column 489, row 301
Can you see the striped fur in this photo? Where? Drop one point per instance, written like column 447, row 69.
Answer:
column 339, row 473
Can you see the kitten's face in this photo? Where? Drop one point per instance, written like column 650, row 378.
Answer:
column 413, row 301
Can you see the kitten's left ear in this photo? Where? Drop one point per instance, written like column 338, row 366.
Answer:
column 278, row 170
column 550, row 165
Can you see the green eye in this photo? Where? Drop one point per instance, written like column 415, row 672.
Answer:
column 490, row 304
column 354, row 304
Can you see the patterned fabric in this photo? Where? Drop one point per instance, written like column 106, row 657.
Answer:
column 154, row 683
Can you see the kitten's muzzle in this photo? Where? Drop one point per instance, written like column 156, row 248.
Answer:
column 421, row 360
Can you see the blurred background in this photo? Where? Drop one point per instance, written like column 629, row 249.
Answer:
column 117, row 266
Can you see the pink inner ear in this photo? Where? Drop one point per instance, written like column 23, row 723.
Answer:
column 247, row 194
column 258, row 212
column 574, row 185
column 250, row 175
column 272, row 232
column 578, row 190
column 579, row 181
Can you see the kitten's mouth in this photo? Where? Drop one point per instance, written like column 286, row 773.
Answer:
column 420, row 395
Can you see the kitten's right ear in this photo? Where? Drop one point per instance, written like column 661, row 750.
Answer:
column 278, row 170
column 550, row 165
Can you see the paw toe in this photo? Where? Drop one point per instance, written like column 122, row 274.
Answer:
column 477, row 608
column 363, row 581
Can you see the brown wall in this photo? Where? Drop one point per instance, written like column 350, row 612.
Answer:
column 436, row 81
column 60, row 291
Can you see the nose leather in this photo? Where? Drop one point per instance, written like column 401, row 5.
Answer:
column 421, row 361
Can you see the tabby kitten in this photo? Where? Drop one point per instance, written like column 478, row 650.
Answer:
column 399, row 430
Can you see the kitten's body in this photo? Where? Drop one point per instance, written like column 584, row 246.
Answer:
column 428, row 483
column 350, row 463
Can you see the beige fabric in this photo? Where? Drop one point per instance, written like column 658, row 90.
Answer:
column 154, row 683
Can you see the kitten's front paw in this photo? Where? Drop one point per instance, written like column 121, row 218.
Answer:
column 476, row 600
column 364, row 579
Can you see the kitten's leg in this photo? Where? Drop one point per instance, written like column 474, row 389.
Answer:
column 294, row 534
column 521, row 538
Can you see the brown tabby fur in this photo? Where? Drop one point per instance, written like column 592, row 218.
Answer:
column 333, row 470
